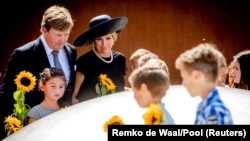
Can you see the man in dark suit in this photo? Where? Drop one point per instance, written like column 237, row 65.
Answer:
column 36, row 55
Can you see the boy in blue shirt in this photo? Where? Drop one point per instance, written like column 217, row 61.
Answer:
column 199, row 68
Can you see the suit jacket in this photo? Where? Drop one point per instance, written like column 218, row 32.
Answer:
column 31, row 57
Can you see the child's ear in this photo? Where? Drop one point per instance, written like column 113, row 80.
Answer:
column 144, row 87
column 196, row 74
column 41, row 86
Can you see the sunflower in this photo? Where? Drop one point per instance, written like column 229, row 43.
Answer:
column 109, row 84
column 102, row 78
column 13, row 124
column 153, row 115
column 105, row 85
column 25, row 81
column 115, row 120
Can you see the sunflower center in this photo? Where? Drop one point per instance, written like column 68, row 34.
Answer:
column 106, row 81
column 154, row 119
column 25, row 81
column 116, row 123
column 15, row 125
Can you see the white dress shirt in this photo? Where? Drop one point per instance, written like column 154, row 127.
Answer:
column 62, row 56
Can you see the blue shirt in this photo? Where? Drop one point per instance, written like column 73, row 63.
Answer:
column 167, row 118
column 213, row 111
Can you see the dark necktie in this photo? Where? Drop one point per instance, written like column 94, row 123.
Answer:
column 56, row 60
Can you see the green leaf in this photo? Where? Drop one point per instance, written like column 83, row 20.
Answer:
column 104, row 90
column 17, row 95
column 97, row 88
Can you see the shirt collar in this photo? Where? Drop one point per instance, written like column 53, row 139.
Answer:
column 46, row 47
column 213, row 95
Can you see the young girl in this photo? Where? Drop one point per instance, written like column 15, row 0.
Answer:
column 53, row 83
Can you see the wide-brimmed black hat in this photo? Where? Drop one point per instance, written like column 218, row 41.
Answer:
column 99, row 26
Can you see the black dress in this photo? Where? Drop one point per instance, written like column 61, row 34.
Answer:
column 92, row 66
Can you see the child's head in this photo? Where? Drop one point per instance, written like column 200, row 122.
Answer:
column 222, row 69
column 143, row 59
column 52, row 82
column 136, row 55
column 156, row 62
column 150, row 84
column 198, row 67
column 230, row 77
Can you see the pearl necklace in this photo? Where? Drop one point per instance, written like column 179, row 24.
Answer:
column 104, row 59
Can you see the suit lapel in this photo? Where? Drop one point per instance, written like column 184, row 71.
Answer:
column 69, row 53
column 41, row 54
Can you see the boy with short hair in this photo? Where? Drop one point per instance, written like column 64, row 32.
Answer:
column 150, row 84
column 199, row 68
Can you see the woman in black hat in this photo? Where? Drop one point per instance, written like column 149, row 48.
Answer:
column 101, row 70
